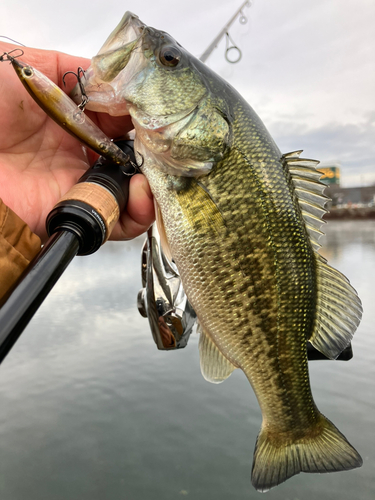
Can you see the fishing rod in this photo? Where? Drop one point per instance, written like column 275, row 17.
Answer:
column 79, row 224
column 224, row 32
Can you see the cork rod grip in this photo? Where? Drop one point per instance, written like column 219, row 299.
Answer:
column 100, row 199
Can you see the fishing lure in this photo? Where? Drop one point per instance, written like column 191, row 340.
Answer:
column 63, row 110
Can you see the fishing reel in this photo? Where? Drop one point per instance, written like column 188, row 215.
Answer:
column 162, row 299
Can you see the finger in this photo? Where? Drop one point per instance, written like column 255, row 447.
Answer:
column 113, row 126
column 139, row 214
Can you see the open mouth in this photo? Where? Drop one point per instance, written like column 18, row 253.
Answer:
column 109, row 73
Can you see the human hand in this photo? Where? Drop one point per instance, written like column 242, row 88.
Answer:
column 40, row 162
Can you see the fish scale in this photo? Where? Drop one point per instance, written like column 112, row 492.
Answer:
column 226, row 185
column 241, row 222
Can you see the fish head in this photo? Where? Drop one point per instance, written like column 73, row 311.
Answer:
column 144, row 72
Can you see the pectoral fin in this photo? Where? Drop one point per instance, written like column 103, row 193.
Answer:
column 215, row 367
column 163, row 235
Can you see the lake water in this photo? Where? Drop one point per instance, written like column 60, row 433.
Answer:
column 90, row 410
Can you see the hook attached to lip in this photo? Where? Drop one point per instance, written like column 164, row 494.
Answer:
column 85, row 98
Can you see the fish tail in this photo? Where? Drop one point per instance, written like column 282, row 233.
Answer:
column 322, row 449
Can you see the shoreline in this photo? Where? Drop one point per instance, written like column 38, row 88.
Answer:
column 361, row 213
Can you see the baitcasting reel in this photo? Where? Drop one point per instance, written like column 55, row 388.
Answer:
column 162, row 299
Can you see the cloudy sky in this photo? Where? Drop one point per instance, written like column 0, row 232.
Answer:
column 308, row 67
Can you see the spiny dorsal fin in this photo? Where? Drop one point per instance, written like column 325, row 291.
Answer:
column 339, row 308
column 309, row 191
column 215, row 367
column 338, row 311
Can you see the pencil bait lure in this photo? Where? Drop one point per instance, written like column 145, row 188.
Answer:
column 63, row 110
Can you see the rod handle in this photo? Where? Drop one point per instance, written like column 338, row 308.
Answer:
column 92, row 207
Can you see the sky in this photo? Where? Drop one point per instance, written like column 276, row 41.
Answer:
column 307, row 67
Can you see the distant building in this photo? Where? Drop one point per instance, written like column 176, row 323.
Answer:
column 351, row 202
column 350, row 197
column 331, row 173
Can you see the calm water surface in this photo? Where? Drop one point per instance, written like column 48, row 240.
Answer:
column 90, row 410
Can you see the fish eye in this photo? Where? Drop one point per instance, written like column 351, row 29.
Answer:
column 170, row 56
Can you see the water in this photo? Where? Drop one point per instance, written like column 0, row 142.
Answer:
column 90, row 410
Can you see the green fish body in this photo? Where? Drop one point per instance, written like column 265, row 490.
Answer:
column 241, row 221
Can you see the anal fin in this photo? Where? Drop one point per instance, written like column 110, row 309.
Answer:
column 215, row 367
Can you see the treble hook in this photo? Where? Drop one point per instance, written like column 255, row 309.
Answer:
column 143, row 160
column 234, row 46
column 7, row 57
column 135, row 166
column 85, row 98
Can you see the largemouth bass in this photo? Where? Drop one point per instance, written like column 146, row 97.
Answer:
column 241, row 221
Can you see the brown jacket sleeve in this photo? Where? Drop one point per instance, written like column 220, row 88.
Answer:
column 18, row 246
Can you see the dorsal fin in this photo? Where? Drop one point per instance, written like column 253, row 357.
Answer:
column 215, row 367
column 339, row 309
column 310, row 193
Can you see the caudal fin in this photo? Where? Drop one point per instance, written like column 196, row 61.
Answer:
column 324, row 449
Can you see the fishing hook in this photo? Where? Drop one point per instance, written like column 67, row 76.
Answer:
column 85, row 98
column 135, row 165
column 143, row 160
column 229, row 48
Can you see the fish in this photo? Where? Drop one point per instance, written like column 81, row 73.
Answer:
column 241, row 221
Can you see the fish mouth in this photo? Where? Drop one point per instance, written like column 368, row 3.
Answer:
column 110, row 70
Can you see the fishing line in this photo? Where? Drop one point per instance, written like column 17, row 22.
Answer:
column 11, row 39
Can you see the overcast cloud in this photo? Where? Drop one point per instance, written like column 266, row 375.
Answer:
column 307, row 67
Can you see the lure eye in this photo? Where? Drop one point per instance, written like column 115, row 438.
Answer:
column 170, row 56
column 28, row 71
